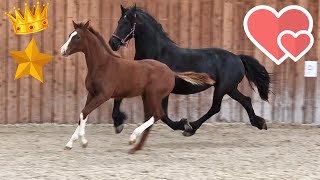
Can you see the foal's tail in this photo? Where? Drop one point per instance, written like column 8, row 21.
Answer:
column 257, row 74
column 196, row 78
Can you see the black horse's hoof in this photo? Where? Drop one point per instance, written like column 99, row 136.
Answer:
column 260, row 123
column 119, row 129
column 186, row 124
column 188, row 130
column 188, row 133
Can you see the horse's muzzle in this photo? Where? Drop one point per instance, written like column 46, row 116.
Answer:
column 115, row 44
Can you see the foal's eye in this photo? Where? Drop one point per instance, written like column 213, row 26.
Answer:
column 78, row 37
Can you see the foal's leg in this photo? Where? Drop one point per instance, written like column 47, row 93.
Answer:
column 147, row 117
column 157, row 111
column 145, row 127
column 118, row 116
column 245, row 101
column 92, row 103
column 175, row 125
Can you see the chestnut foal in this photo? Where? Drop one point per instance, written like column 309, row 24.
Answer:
column 110, row 76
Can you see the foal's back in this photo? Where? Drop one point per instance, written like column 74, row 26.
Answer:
column 138, row 77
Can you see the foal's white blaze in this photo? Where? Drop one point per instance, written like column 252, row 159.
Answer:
column 141, row 128
column 65, row 46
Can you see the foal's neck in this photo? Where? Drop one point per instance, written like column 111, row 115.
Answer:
column 96, row 55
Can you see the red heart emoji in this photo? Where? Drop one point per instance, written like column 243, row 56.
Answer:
column 263, row 24
column 295, row 44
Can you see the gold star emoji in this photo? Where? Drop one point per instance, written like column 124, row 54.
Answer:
column 30, row 61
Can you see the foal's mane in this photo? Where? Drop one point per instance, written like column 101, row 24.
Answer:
column 101, row 39
column 157, row 26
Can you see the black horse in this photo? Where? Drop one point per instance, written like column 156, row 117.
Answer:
column 225, row 67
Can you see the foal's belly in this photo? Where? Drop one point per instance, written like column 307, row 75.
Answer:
column 127, row 92
column 184, row 88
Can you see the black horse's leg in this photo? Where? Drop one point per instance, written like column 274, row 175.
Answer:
column 218, row 94
column 175, row 125
column 118, row 116
column 245, row 101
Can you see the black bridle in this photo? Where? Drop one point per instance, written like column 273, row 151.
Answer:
column 124, row 41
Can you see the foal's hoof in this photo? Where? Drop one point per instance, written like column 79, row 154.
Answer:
column 132, row 151
column 67, row 148
column 119, row 128
column 132, row 142
column 260, row 123
column 84, row 145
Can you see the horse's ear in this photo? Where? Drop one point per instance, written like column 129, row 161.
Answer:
column 75, row 25
column 123, row 9
column 134, row 7
column 86, row 25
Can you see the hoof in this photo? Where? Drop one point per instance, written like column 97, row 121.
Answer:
column 188, row 130
column 264, row 126
column 260, row 123
column 119, row 128
column 132, row 151
column 67, row 148
column 186, row 124
column 187, row 133
column 84, row 145
column 132, row 142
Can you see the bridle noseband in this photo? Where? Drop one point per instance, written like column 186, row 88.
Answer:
column 124, row 41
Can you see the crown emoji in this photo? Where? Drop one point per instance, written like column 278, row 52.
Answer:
column 29, row 21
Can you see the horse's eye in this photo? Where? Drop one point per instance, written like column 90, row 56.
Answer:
column 78, row 37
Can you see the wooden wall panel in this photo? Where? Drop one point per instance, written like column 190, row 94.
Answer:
column 4, row 59
column 12, row 90
column 59, row 87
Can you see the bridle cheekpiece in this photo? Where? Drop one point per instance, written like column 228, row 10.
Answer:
column 124, row 41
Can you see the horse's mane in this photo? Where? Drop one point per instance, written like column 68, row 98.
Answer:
column 101, row 39
column 154, row 23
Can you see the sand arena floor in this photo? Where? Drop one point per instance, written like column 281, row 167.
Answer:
column 217, row 151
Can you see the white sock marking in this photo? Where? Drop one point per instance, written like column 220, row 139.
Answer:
column 65, row 46
column 141, row 128
column 80, row 131
column 74, row 137
column 82, row 128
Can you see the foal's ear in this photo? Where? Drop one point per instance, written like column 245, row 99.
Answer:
column 123, row 9
column 86, row 25
column 75, row 25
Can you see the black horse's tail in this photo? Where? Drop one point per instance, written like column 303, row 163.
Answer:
column 257, row 74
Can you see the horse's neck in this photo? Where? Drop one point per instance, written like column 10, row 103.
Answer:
column 150, row 44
